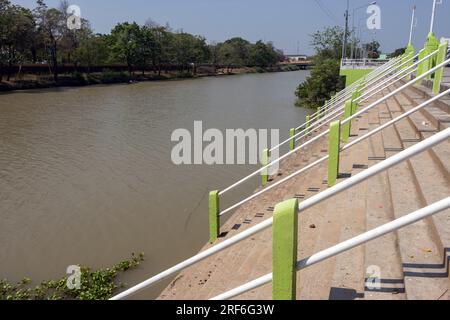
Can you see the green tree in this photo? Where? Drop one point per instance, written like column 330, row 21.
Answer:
column 51, row 29
column 263, row 55
column 373, row 49
column 124, row 42
column 325, row 77
column 316, row 89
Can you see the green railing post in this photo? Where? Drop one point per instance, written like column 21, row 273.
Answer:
column 214, row 218
column 292, row 142
column 307, row 124
column 334, row 152
column 410, row 54
column 422, row 66
column 265, row 161
column 431, row 45
column 346, row 128
column 285, row 243
column 439, row 74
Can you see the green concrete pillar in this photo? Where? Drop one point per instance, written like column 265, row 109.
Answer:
column 441, row 57
column 214, row 218
column 422, row 66
column 431, row 45
column 284, row 254
column 409, row 54
column 346, row 128
column 307, row 124
column 334, row 152
column 292, row 141
column 265, row 161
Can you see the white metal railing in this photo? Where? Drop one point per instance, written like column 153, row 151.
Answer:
column 329, row 117
column 346, row 147
column 357, row 114
column 361, row 63
column 347, row 245
column 306, row 204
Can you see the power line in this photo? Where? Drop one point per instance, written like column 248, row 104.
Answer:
column 327, row 11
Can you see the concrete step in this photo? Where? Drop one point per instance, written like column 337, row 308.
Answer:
column 433, row 185
column 419, row 260
column 349, row 273
column 382, row 255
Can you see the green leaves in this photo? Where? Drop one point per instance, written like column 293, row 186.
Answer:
column 95, row 285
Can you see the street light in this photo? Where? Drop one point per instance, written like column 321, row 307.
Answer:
column 353, row 24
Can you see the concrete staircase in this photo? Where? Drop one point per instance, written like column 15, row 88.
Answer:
column 412, row 263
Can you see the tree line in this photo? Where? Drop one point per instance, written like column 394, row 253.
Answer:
column 42, row 36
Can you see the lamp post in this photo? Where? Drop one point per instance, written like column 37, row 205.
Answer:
column 353, row 51
column 433, row 16
column 413, row 18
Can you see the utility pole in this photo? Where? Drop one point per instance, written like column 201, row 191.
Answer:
column 344, row 48
column 433, row 16
column 413, row 19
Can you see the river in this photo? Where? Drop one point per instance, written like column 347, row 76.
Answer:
column 86, row 175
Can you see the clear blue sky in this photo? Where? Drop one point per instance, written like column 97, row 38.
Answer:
column 285, row 22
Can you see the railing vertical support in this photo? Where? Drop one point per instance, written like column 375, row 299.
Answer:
column 346, row 128
column 308, row 124
column 334, row 152
column 292, row 142
column 285, row 242
column 265, row 161
column 421, row 68
column 214, row 218
column 439, row 74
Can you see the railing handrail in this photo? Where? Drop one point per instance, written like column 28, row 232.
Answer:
column 345, row 246
column 346, row 93
column 307, row 204
column 282, row 157
column 354, row 116
column 346, row 147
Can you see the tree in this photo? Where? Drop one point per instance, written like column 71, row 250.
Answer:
column 328, row 43
column 51, row 28
column 325, row 77
column 17, row 26
column 317, row 88
column 263, row 55
column 124, row 42
column 397, row 52
column 92, row 51
column 373, row 49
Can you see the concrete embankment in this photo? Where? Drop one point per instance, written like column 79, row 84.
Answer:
column 413, row 261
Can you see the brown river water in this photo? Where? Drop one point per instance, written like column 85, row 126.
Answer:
column 86, row 175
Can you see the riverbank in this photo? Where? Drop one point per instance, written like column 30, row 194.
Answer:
column 83, row 79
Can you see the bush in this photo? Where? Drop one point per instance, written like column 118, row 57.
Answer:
column 114, row 77
column 317, row 88
column 95, row 285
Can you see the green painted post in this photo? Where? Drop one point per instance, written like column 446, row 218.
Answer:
column 422, row 66
column 439, row 74
column 346, row 128
column 265, row 162
column 308, row 120
column 214, row 218
column 292, row 142
column 431, row 46
column 410, row 54
column 285, row 243
column 334, row 152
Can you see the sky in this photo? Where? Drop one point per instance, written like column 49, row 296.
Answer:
column 287, row 23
